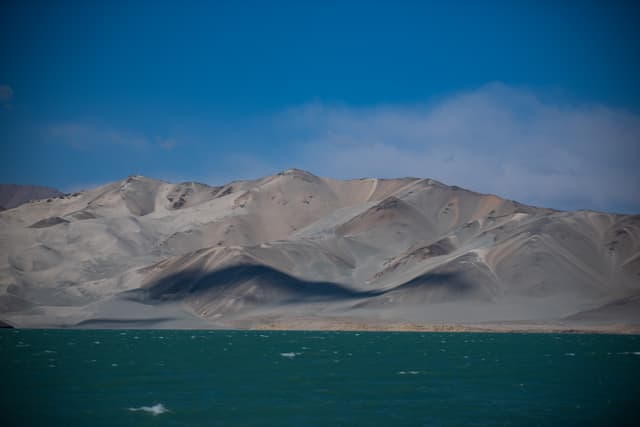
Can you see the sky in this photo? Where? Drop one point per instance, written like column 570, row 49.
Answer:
column 533, row 101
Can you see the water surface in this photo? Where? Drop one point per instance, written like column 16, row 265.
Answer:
column 252, row 378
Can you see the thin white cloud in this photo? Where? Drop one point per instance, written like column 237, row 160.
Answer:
column 496, row 139
column 87, row 136
column 167, row 143
column 6, row 96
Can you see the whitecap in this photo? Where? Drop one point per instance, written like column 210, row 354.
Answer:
column 96, row 342
column 264, row 336
column 154, row 410
column 290, row 355
column 569, row 354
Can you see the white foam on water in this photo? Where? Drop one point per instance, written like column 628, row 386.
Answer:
column 569, row 354
column 154, row 410
column 264, row 336
column 290, row 355
column 408, row 372
column 637, row 353
column 96, row 342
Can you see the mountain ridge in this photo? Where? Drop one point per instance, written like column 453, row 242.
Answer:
column 13, row 195
column 412, row 250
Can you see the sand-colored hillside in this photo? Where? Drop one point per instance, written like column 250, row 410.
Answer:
column 272, row 251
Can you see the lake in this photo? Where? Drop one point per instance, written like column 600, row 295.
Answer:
column 282, row 378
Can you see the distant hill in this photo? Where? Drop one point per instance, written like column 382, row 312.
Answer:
column 12, row 195
column 295, row 250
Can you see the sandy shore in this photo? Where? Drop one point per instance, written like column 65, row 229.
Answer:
column 522, row 327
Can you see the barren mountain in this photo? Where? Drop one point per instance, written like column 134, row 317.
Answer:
column 297, row 250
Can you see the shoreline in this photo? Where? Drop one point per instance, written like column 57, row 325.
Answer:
column 452, row 328
column 524, row 328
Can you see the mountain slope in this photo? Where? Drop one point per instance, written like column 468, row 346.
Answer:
column 294, row 247
column 12, row 195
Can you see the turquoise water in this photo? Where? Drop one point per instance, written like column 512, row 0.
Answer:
column 239, row 378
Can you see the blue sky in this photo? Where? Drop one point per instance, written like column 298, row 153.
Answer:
column 536, row 101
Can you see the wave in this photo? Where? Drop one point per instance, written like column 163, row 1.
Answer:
column 154, row 410
column 289, row 355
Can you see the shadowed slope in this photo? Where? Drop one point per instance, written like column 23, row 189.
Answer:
column 12, row 195
column 240, row 287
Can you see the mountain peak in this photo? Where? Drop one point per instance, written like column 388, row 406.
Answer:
column 296, row 172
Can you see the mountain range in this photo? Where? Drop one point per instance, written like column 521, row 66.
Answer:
column 294, row 250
